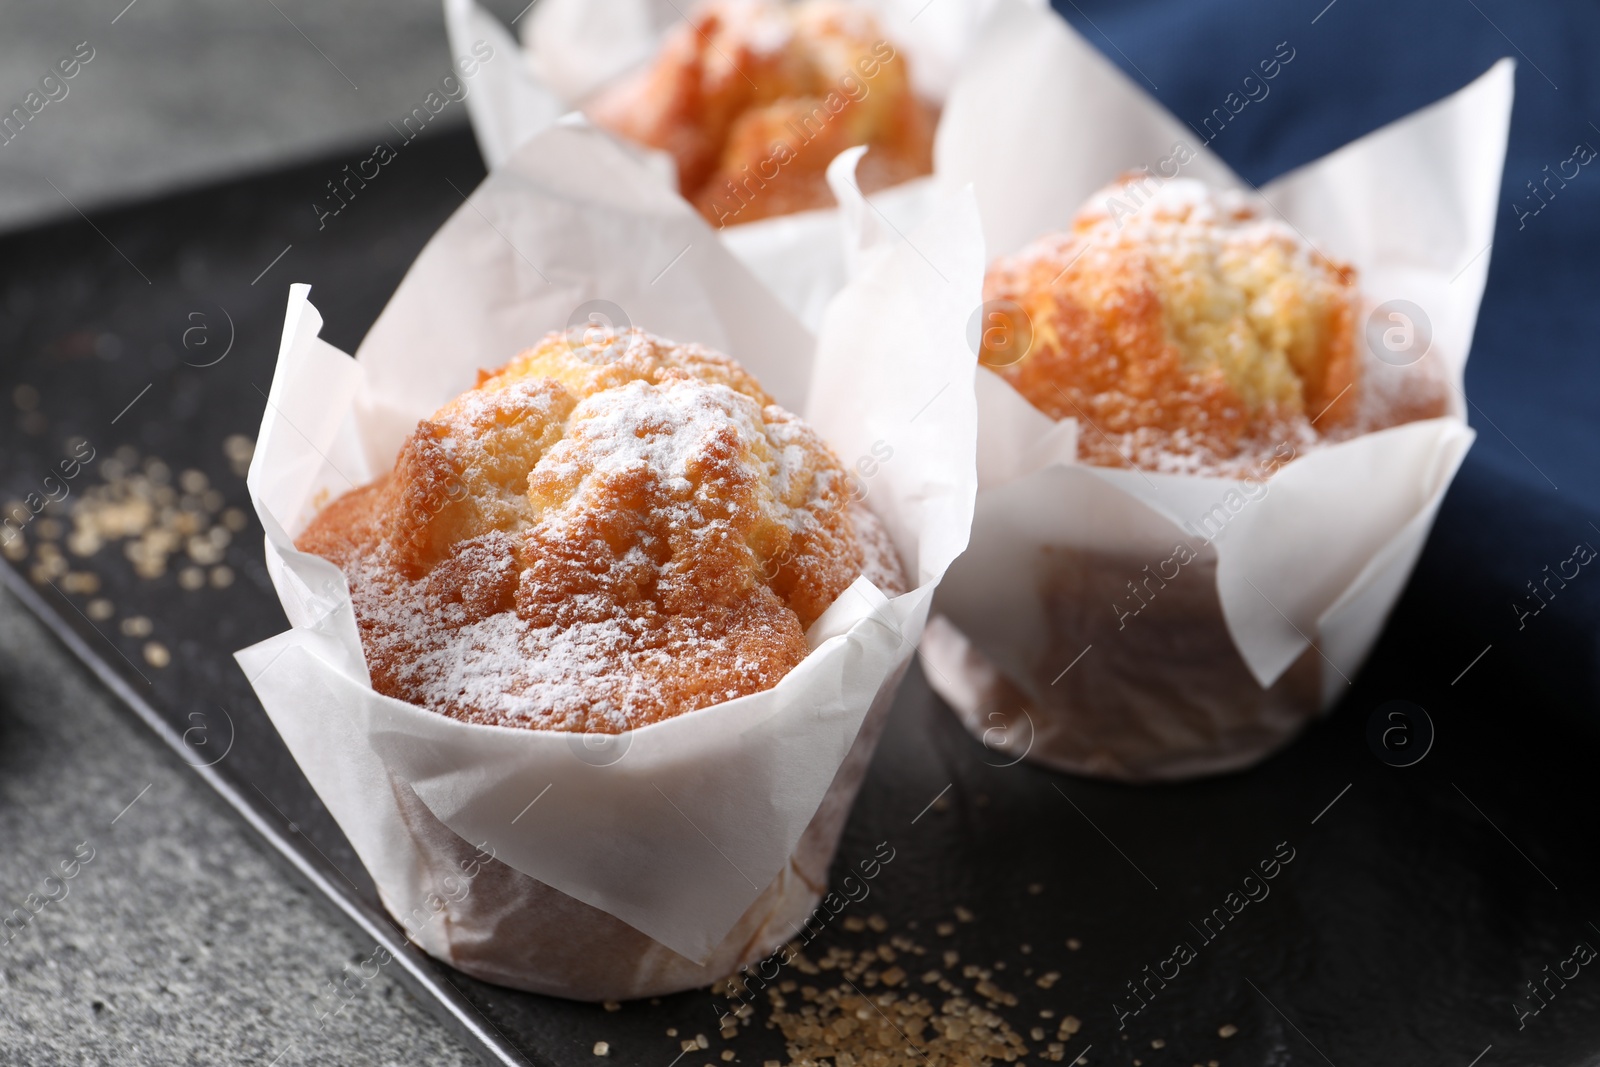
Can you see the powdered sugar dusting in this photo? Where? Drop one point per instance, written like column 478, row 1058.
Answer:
column 1189, row 331
column 649, row 569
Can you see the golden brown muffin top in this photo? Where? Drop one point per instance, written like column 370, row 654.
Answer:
column 599, row 536
column 754, row 98
column 1183, row 328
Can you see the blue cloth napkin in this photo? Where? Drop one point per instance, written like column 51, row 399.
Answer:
column 1500, row 578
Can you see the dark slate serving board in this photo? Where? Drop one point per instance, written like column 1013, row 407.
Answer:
column 1419, row 899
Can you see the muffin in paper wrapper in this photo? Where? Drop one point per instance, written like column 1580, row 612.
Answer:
column 1038, row 643
column 572, row 49
column 662, row 858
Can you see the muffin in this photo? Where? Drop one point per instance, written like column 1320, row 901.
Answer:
column 606, row 532
column 1190, row 332
column 1187, row 331
column 754, row 98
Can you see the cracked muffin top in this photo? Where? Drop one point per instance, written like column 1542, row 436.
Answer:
column 610, row 530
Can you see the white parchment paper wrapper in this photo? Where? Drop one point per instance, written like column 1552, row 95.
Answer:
column 660, row 858
column 570, row 49
column 1307, row 572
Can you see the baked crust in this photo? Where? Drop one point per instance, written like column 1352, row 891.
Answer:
column 754, row 98
column 609, row 530
column 1189, row 331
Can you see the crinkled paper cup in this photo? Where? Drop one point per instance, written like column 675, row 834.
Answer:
column 612, row 866
column 1153, row 626
column 571, row 49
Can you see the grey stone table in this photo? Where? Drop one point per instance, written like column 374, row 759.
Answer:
column 177, row 940
column 180, row 940
column 179, row 93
